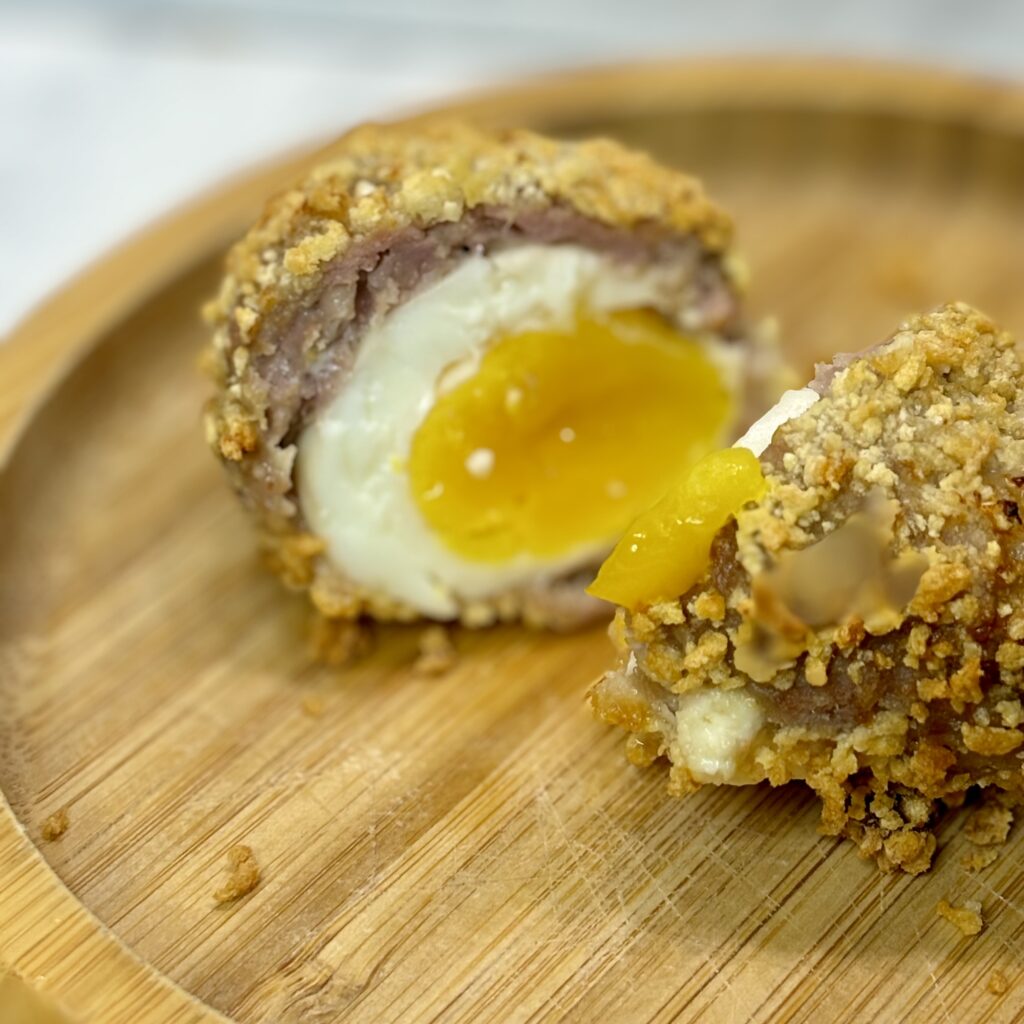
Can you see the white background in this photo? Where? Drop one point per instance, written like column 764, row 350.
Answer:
column 112, row 112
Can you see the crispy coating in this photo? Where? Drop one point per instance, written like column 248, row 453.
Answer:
column 889, row 708
column 282, row 339
column 381, row 178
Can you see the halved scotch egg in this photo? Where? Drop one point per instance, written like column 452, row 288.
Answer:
column 838, row 598
column 452, row 366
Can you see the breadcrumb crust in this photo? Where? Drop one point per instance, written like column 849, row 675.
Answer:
column 966, row 917
column 385, row 177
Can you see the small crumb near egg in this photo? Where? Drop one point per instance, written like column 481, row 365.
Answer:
column 437, row 653
column 966, row 917
column 243, row 875
column 313, row 705
column 480, row 463
column 55, row 825
column 998, row 983
column 338, row 642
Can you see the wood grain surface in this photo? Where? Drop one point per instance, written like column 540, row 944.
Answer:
column 471, row 847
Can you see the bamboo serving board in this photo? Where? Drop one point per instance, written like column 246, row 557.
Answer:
column 471, row 847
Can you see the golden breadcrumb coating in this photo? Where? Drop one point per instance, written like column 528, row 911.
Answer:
column 386, row 177
column 903, row 483
column 384, row 186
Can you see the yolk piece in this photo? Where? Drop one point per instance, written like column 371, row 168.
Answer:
column 666, row 549
column 560, row 438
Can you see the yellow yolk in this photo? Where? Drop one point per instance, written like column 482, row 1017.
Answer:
column 666, row 549
column 560, row 438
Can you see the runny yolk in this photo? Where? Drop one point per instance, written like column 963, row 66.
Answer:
column 560, row 438
column 665, row 551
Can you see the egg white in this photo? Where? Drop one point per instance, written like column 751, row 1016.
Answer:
column 791, row 405
column 351, row 474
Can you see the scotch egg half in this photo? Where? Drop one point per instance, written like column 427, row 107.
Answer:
column 452, row 366
column 505, row 424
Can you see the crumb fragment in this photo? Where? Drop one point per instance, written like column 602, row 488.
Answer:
column 338, row 642
column 989, row 825
column 966, row 917
column 437, row 653
column 313, row 705
column 243, row 875
column 998, row 983
column 907, row 850
column 55, row 825
column 977, row 860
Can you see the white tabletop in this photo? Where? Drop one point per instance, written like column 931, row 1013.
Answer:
column 113, row 112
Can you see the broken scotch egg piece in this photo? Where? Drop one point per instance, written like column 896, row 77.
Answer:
column 842, row 603
column 452, row 366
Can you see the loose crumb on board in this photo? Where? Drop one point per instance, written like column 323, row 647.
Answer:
column 437, row 653
column 55, row 825
column 243, row 875
column 977, row 860
column 989, row 825
column 313, row 705
column 338, row 642
column 966, row 917
column 998, row 984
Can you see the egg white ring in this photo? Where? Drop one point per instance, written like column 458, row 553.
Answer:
column 791, row 405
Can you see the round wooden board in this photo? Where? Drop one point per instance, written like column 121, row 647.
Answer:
column 471, row 847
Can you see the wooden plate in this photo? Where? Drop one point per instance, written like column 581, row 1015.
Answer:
column 472, row 847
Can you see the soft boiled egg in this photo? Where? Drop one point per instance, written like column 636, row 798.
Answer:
column 508, row 421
